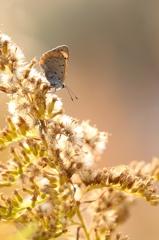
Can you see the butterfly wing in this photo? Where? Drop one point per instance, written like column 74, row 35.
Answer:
column 54, row 64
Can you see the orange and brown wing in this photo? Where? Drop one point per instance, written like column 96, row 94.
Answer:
column 54, row 64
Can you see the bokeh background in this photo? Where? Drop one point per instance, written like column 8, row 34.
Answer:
column 113, row 69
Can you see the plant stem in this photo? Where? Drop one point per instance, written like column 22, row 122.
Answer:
column 82, row 223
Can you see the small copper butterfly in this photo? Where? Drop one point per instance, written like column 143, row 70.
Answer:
column 54, row 64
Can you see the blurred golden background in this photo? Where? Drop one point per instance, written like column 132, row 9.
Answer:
column 113, row 69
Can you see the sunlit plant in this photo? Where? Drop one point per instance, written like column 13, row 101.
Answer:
column 49, row 180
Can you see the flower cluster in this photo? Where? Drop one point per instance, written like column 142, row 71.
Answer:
column 49, row 168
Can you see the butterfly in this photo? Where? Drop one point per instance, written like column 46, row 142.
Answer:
column 54, row 64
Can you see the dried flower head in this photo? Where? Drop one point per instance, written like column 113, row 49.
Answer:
column 50, row 169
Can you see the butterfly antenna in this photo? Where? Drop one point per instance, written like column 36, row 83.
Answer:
column 70, row 92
